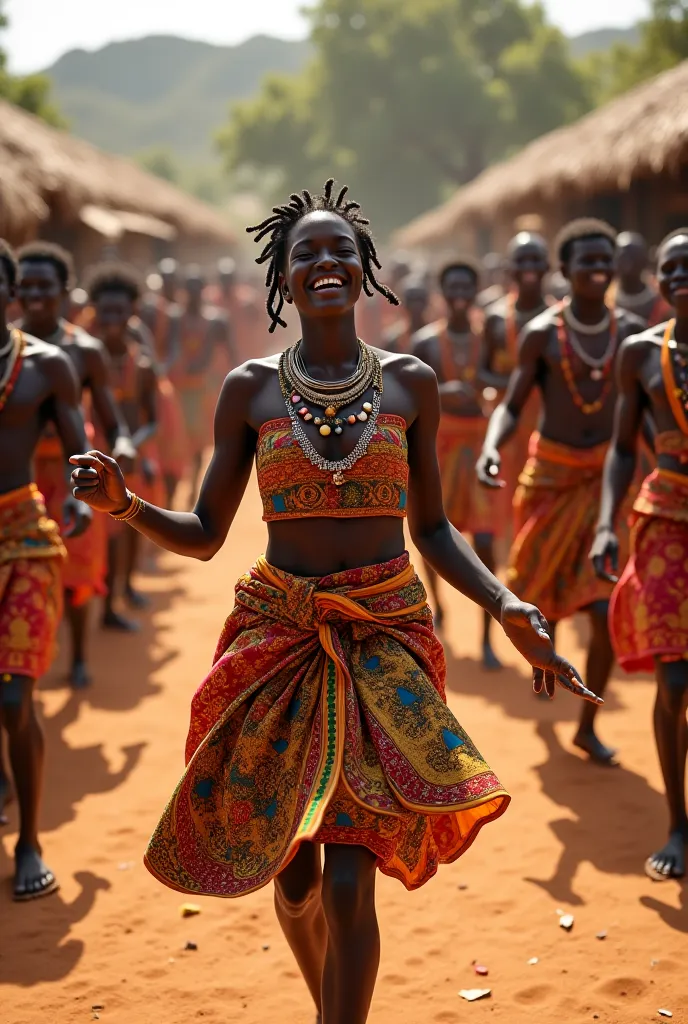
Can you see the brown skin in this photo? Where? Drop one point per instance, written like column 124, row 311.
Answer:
column 41, row 295
column 631, row 268
column 641, row 388
column 115, row 323
column 329, row 917
column 528, row 263
column 459, row 288
column 414, row 300
column 589, row 271
column 47, row 390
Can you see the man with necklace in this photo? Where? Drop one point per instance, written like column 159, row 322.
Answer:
column 452, row 348
column 635, row 291
column 527, row 266
column 37, row 385
column 568, row 352
column 44, row 276
column 648, row 620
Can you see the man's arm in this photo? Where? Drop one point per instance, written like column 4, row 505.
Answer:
column 493, row 341
column 106, row 409
column 456, row 397
column 65, row 412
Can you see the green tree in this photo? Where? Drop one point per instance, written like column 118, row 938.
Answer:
column 160, row 162
column 31, row 92
column 407, row 100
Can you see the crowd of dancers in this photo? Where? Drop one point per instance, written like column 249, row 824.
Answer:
column 540, row 407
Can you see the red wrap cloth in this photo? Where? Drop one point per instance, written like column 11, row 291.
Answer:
column 323, row 719
column 31, row 556
column 648, row 614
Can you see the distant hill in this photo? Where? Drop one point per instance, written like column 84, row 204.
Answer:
column 164, row 91
column 603, row 39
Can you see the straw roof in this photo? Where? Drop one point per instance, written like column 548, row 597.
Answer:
column 44, row 171
column 638, row 135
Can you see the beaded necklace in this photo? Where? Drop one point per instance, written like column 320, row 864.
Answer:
column 600, row 368
column 463, row 366
column 13, row 368
column 675, row 376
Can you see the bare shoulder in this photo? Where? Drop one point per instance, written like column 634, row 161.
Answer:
column 88, row 344
column 635, row 347
column 50, row 360
column 249, row 377
column 537, row 332
column 628, row 323
column 410, row 372
column 496, row 311
column 424, row 341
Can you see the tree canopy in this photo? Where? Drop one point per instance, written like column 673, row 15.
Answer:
column 405, row 101
column 31, row 92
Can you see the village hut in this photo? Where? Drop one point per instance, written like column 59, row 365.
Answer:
column 626, row 162
column 58, row 187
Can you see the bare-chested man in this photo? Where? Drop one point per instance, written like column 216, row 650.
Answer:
column 452, row 348
column 568, row 352
column 527, row 263
column 114, row 291
column 648, row 617
column 635, row 291
column 37, row 385
column 414, row 301
column 43, row 281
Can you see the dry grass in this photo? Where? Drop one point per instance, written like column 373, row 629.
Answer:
column 636, row 136
column 45, row 172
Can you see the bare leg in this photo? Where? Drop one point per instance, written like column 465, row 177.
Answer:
column 353, row 944
column 132, row 545
column 78, row 618
column 298, row 902
column 671, row 735
column 32, row 877
column 111, row 618
column 438, row 617
column 484, row 549
column 598, row 670
column 5, row 784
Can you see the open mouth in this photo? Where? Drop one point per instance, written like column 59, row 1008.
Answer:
column 600, row 278
column 681, row 289
column 326, row 284
column 528, row 277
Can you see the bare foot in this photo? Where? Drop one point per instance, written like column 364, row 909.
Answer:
column 670, row 861
column 113, row 620
column 6, row 797
column 135, row 599
column 79, row 677
column 595, row 749
column 32, row 878
column 490, row 660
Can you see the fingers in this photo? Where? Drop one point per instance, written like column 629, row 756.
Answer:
column 550, row 683
column 600, row 565
column 93, row 458
column 568, row 677
column 538, row 680
column 539, row 623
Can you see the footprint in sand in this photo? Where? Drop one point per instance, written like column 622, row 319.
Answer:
column 623, row 988
column 534, row 994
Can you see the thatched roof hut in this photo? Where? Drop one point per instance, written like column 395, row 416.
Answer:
column 614, row 152
column 52, row 182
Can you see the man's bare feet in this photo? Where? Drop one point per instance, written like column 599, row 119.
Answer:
column 595, row 749
column 32, row 878
column 670, row 861
column 490, row 660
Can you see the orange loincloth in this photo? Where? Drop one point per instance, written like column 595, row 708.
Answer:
column 470, row 507
column 172, row 447
column 555, row 513
column 31, row 557
column 648, row 615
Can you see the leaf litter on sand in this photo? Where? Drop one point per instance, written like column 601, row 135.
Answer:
column 472, row 994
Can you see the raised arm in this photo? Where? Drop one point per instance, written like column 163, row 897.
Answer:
column 454, row 560
column 201, row 533
column 504, row 419
column 65, row 412
column 619, row 467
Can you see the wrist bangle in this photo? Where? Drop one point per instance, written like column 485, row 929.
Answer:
column 133, row 508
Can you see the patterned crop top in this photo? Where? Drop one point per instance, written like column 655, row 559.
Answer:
column 292, row 488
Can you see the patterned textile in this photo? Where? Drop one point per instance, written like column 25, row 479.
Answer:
column 292, row 488
column 85, row 568
column 31, row 555
column 470, row 507
column 648, row 614
column 555, row 510
column 323, row 719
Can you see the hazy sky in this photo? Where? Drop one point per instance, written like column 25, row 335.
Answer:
column 41, row 30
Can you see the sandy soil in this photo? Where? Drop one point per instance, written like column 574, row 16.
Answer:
column 574, row 840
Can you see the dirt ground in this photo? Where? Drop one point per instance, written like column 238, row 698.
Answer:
column 574, row 840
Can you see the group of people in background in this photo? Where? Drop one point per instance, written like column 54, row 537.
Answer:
column 563, row 439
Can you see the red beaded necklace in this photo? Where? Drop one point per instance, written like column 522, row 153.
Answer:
column 605, row 371
column 14, row 366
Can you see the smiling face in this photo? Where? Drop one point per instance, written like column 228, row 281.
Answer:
column 323, row 273
column 114, row 308
column 528, row 264
column 459, row 288
column 590, row 267
column 672, row 273
column 41, row 293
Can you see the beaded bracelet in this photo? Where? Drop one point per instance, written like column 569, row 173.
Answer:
column 135, row 506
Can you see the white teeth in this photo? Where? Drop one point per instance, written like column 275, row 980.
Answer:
column 327, row 282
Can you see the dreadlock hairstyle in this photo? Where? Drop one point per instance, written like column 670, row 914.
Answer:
column 285, row 217
column 577, row 230
column 9, row 263
column 48, row 252
column 113, row 277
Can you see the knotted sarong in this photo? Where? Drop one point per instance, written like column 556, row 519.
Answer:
column 555, row 511
column 648, row 614
column 323, row 719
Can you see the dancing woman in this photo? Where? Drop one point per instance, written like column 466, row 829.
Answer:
column 323, row 719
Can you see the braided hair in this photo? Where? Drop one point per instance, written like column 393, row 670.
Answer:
column 285, row 217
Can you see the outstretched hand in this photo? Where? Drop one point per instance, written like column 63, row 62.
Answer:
column 488, row 468
column 98, row 481
column 527, row 629
column 605, row 552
